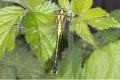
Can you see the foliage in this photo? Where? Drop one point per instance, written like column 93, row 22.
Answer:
column 39, row 20
column 9, row 16
column 21, row 64
column 103, row 63
column 39, row 23
column 112, row 34
column 4, row 4
column 95, row 17
column 116, row 14
column 36, row 21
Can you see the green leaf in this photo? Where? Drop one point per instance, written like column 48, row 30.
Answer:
column 116, row 14
column 7, row 72
column 64, row 4
column 39, row 6
column 4, row 4
column 72, row 64
column 74, row 6
column 111, row 34
column 9, row 17
column 11, row 1
column 21, row 63
column 81, row 28
column 95, row 13
column 81, row 6
column 29, row 4
column 46, row 8
column 103, row 63
column 39, row 28
column 1, row 53
column 95, row 17
column 103, row 23
column 100, row 19
column 36, row 35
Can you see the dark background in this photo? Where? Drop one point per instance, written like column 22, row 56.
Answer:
column 108, row 5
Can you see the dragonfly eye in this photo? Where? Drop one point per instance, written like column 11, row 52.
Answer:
column 64, row 10
column 61, row 11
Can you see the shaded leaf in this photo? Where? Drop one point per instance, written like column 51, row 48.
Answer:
column 4, row 4
column 116, row 14
column 23, row 64
column 7, row 72
column 70, row 68
column 110, row 34
column 103, row 63
column 9, row 17
column 1, row 53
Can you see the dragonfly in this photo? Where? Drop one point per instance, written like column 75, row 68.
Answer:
column 60, row 25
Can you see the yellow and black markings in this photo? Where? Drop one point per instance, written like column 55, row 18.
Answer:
column 60, row 23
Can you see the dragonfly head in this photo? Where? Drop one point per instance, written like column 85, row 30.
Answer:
column 61, row 11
